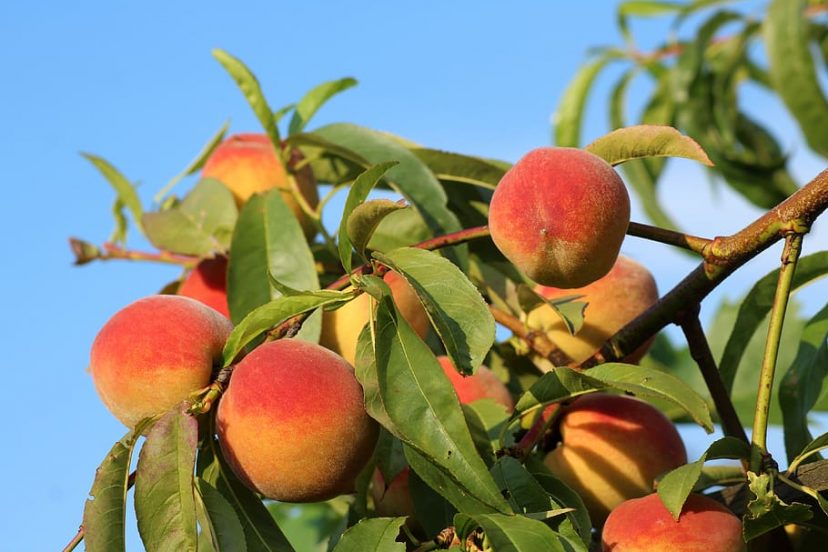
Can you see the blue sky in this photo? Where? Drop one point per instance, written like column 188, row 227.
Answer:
column 137, row 85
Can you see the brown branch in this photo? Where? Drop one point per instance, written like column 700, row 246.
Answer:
column 670, row 237
column 86, row 252
column 538, row 341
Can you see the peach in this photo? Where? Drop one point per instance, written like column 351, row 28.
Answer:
column 207, row 283
column 483, row 384
column 645, row 525
column 248, row 163
column 341, row 327
column 612, row 449
column 614, row 300
column 292, row 424
column 155, row 352
column 394, row 499
column 560, row 215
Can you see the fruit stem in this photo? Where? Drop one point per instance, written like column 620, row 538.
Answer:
column 670, row 237
column 537, row 341
column 790, row 255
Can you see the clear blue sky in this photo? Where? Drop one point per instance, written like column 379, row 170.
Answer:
column 138, row 86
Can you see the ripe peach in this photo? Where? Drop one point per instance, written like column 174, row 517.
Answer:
column 645, row 525
column 612, row 449
column 560, row 215
column 341, row 327
column 614, row 300
column 483, row 384
column 292, row 424
column 393, row 500
column 153, row 353
column 248, row 163
column 208, row 283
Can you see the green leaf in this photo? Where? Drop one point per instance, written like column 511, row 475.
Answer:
column 570, row 112
column 512, row 533
column 364, row 220
column 803, row 383
column 196, row 163
column 465, row 169
column 200, row 225
column 126, row 194
column 422, row 407
column 642, row 9
column 268, row 241
column 316, row 98
column 490, row 417
column 757, row 305
column 676, row 486
column 456, row 309
column 378, row 534
column 359, row 191
column 399, row 229
column 313, row 527
column 104, row 513
column 818, row 444
column 636, row 142
column 792, row 70
column 220, row 520
column 252, row 91
column 164, row 500
column 766, row 511
column 524, row 493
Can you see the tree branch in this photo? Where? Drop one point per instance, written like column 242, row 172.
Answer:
column 670, row 237
column 537, row 341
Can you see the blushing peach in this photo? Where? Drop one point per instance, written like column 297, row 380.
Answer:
column 292, row 424
column 645, row 525
column 483, row 384
column 614, row 300
column 560, row 215
column 153, row 353
column 207, row 283
column 248, row 163
column 341, row 327
column 394, row 499
column 612, row 449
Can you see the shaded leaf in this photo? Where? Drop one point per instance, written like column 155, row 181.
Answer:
column 316, row 98
column 512, row 533
column 766, row 511
column 461, row 168
column 818, row 444
column 635, row 142
column 378, row 534
column 220, row 519
column 577, row 526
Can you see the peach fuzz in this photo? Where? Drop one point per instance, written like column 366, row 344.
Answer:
column 614, row 300
column 341, row 327
column 645, row 525
column 612, row 449
column 248, row 163
column 207, row 283
column 483, row 384
column 155, row 352
column 292, row 424
column 560, row 215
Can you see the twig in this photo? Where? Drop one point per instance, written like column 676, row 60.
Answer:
column 86, row 252
column 670, row 237
column 537, row 341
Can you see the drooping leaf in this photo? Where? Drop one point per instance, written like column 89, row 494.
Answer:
column 524, row 493
column 511, row 532
column 196, row 163
column 803, row 383
column 268, row 242
column 364, row 220
column 164, row 496
column 766, row 511
column 316, row 98
column 126, row 194
column 220, row 520
column 577, row 526
column 757, row 305
column 456, row 167
column 570, row 111
column 456, row 309
column 378, row 534
column 490, row 417
column 252, row 90
column 792, row 70
column 200, row 225
column 104, row 513
column 635, row 142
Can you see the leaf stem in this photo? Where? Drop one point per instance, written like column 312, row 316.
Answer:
column 76, row 540
column 670, row 237
column 790, row 255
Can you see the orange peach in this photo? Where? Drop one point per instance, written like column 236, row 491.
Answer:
column 612, row 449
column 341, row 327
column 207, row 283
column 483, row 384
column 155, row 352
column 645, row 525
column 248, row 163
column 292, row 424
column 560, row 215
column 614, row 300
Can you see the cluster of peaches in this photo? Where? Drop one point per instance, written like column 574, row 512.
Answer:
column 292, row 423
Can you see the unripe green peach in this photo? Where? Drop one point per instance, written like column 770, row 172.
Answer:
column 614, row 300
column 207, row 283
column 341, row 327
column 483, row 384
column 248, row 163
column 612, row 449
column 154, row 353
column 560, row 215
column 645, row 525
column 292, row 424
